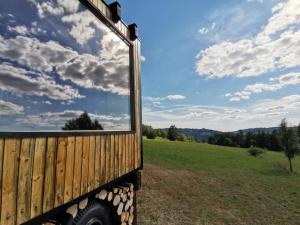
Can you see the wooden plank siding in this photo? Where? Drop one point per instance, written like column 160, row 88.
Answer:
column 38, row 174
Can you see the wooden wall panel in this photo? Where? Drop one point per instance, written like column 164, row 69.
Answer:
column 9, row 181
column 60, row 171
column 39, row 174
column 103, row 161
column 78, row 167
column 91, row 178
column 107, row 160
column 70, row 158
column 98, row 162
column 38, row 177
column 85, row 165
column 1, row 170
column 49, row 184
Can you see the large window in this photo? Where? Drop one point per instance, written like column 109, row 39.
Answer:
column 61, row 68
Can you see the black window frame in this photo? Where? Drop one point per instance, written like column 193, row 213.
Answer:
column 33, row 134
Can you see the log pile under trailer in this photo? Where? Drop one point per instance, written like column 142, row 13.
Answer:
column 54, row 169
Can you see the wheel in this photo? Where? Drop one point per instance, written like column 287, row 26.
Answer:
column 93, row 214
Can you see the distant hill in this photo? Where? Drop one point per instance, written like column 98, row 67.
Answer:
column 261, row 129
column 203, row 134
column 199, row 134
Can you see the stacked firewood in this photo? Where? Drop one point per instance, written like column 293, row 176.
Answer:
column 122, row 198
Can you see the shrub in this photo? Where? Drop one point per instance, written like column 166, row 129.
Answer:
column 151, row 134
column 255, row 151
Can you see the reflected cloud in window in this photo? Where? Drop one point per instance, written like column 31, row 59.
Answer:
column 59, row 63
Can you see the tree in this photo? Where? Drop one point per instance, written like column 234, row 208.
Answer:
column 172, row 133
column 298, row 131
column 83, row 122
column 151, row 134
column 161, row 133
column 288, row 141
column 274, row 142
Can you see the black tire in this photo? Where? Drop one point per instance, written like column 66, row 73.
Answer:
column 93, row 214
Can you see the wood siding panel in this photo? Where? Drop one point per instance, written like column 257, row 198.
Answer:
column 60, row 171
column 49, row 184
column 70, row 158
column 91, row 179
column 1, row 170
column 25, row 180
column 85, row 165
column 77, row 167
column 10, row 181
column 103, row 161
column 107, row 161
column 98, row 162
column 38, row 177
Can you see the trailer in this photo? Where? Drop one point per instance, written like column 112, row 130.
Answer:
column 70, row 113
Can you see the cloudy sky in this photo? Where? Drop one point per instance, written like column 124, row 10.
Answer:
column 56, row 61
column 222, row 65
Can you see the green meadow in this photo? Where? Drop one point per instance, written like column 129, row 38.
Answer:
column 195, row 183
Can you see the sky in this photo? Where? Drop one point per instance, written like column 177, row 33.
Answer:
column 223, row 65
column 54, row 65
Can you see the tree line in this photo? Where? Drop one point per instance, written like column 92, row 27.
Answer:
column 171, row 133
column 242, row 139
column 261, row 139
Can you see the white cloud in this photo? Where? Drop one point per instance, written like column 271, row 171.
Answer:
column 276, row 47
column 275, row 84
column 265, row 113
column 19, row 29
column 9, row 108
column 70, row 6
column 175, row 97
column 260, row 1
column 168, row 97
column 56, row 120
column 143, row 58
column 22, row 82
column 81, row 30
column 203, row 30
column 206, row 30
column 106, row 72
column 48, row 7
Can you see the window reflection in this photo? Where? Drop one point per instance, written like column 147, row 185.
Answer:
column 59, row 63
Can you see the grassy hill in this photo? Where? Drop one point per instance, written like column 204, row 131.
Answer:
column 191, row 183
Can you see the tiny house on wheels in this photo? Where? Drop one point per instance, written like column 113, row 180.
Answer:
column 70, row 113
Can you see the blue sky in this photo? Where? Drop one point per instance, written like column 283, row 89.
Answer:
column 222, row 65
column 54, row 65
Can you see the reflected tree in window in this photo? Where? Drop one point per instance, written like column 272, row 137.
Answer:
column 83, row 122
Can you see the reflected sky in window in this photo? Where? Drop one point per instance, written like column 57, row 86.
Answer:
column 57, row 60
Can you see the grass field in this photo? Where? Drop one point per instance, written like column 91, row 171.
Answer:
column 195, row 184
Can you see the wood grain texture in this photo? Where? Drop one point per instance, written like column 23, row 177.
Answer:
column 116, row 156
column 38, row 177
column 10, row 181
column 91, row 176
column 60, row 171
column 25, row 180
column 77, row 167
column 103, row 161
column 97, row 162
column 112, row 158
column 85, row 165
column 49, row 184
column 1, row 170
column 70, row 158
column 107, row 161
